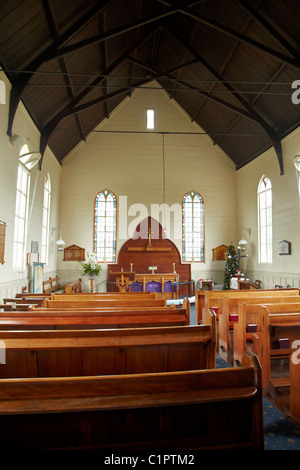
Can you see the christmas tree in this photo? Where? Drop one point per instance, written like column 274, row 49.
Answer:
column 231, row 266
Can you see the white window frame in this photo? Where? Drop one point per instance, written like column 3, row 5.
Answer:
column 21, row 217
column 44, row 257
column 265, row 222
column 193, row 227
column 105, row 227
column 150, row 118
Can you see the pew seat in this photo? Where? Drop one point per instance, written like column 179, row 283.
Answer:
column 203, row 409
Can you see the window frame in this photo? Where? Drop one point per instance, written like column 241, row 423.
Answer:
column 107, row 242
column 188, row 229
column 265, row 220
column 46, row 220
column 21, row 218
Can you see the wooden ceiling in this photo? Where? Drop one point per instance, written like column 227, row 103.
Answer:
column 229, row 64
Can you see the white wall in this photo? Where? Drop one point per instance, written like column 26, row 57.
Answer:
column 285, row 269
column 13, row 281
column 131, row 165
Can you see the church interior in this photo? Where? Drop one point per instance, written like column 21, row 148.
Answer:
column 150, row 162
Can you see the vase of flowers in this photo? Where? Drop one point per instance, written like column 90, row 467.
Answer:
column 91, row 268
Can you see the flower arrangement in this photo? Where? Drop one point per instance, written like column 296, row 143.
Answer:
column 91, row 268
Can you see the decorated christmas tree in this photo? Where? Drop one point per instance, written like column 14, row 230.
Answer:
column 231, row 266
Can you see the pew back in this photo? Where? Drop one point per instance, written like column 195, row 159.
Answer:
column 108, row 352
column 230, row 312
column 209, row 299
column 118, row 320
column 131, row 302
column 204, row 409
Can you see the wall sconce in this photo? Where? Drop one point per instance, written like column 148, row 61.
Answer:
column 241, row 247
column 60, row 243
column 16, row 140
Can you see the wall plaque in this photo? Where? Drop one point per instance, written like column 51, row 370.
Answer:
column 74, row 253
column 284, row 247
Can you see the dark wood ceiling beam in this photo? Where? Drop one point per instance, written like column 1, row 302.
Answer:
column 20, row 81
column 168, row 75
column 50, row 15
column 255, row 116
column 155, row 45
column 270, row 29
column 49, row 128
column 113, row 33
column 103, row 55
column 295, row 63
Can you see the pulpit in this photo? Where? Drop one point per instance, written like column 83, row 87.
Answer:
column 123, row 279
column 149, row 249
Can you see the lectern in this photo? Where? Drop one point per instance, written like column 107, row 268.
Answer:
column 124, row 279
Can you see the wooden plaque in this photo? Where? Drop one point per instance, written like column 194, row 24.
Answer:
column 219, row 253
column 74, row 253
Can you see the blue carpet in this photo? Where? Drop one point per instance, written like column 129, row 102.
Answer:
column 279, row 432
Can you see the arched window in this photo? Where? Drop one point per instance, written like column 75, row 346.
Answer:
column 45, row 220
column 264, row 203
column 21, row 214
column 105, row 216
column 297, row 166
column 193, row 227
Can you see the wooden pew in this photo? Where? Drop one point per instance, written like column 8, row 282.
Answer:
column 105, row 296
column 268, row 345
column 213, row 298
column 201, row 409
column 93, row 312
column 108, row 352
column 102, row 320
column 229, row 311
column 131, row 302
column 250, row 318
column 51, row 285
column 295, row 384
column 74, row 287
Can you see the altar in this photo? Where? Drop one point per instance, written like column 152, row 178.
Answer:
column 150, row 263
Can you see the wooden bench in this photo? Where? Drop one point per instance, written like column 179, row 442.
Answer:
column 201, row 409
column 278, row 332
column 93, row 312
column 213, row 299
column 178, row 317
column 51, row 285
column 295, row 385
column 108, row 352
column 74, row 287
column 105, row 296
column 249, row 322
column 229, row 312
column 101, row 303
column 20, row 303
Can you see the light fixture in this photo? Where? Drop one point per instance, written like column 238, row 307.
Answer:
column 60, row 243
column 16, row 140
column 241, row 247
